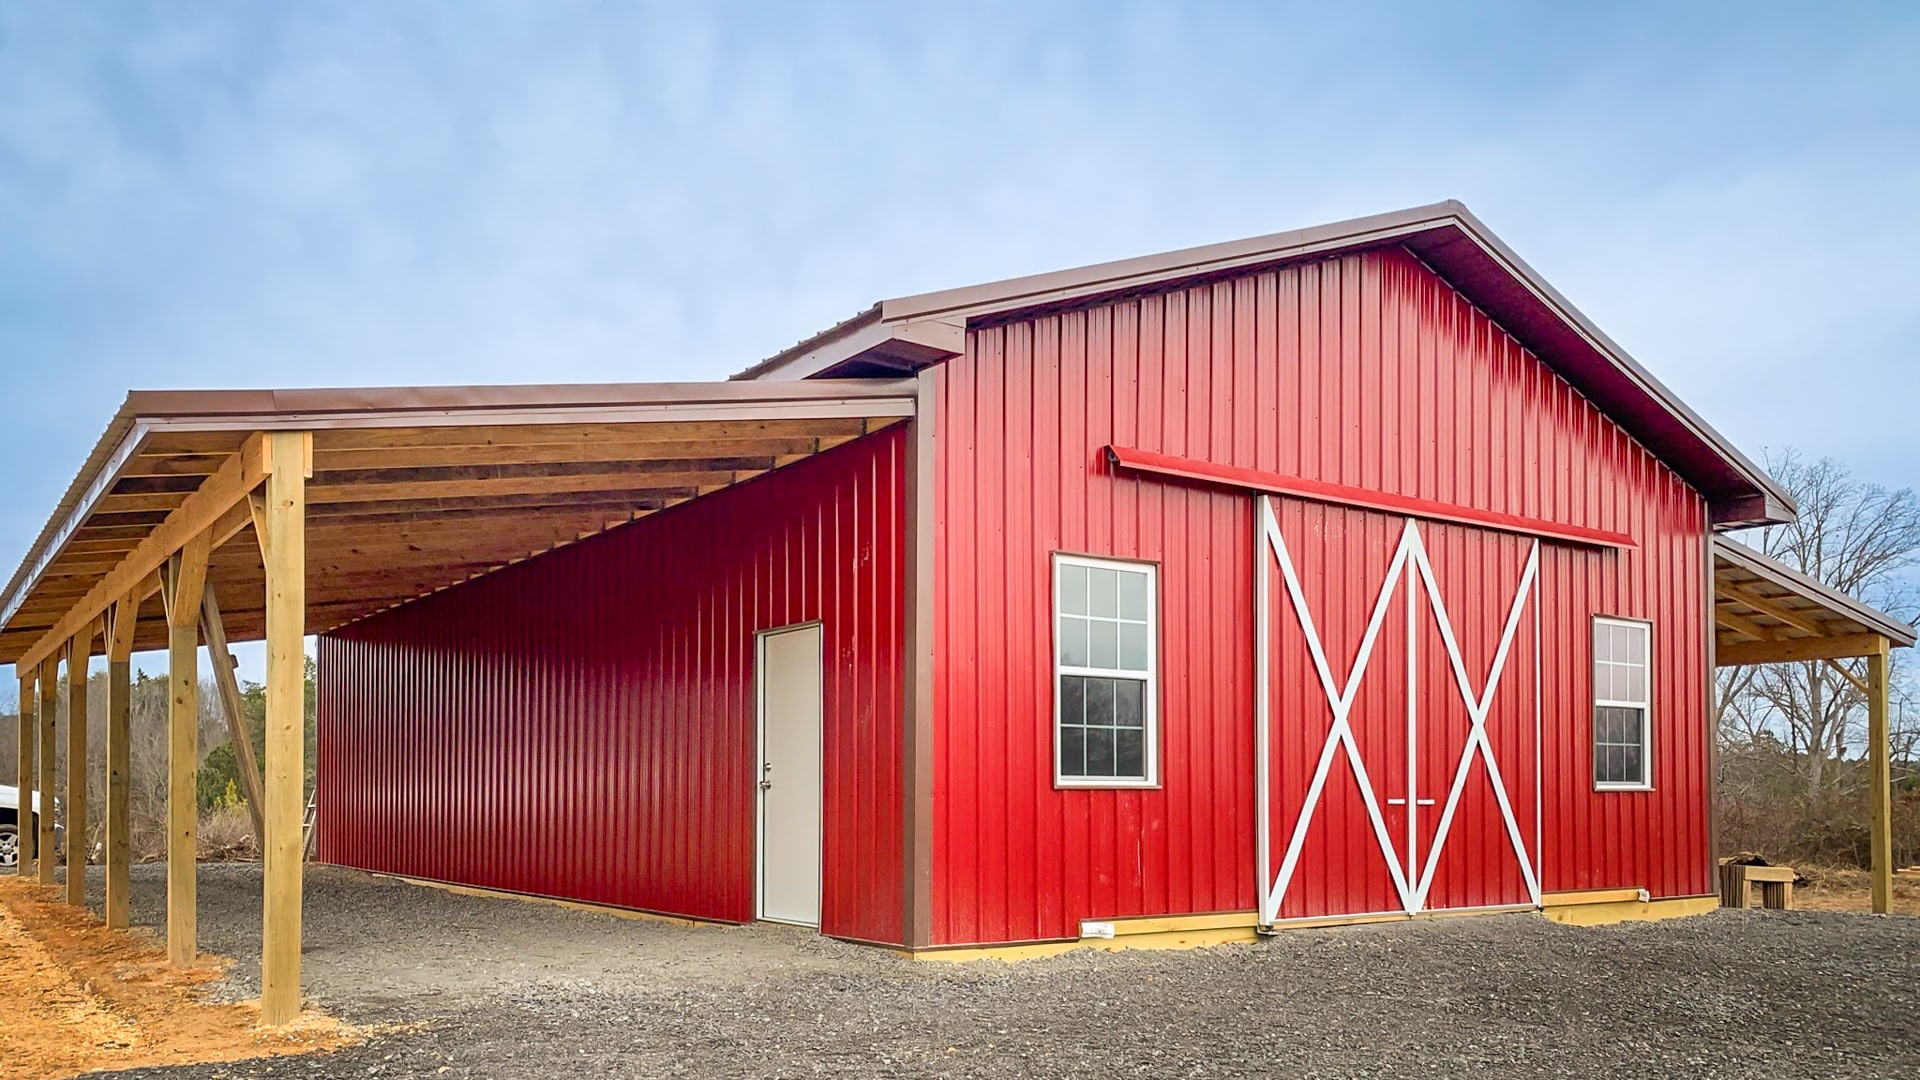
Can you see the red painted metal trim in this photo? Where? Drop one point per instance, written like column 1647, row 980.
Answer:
column 1343, row 495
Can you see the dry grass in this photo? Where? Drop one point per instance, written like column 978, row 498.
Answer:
column 82, row 998
column 226, row 834
column 1851, row 889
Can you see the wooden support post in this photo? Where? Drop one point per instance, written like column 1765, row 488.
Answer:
column 214, row 631
column 186, row 576
column 285, row 546
column 1879, row 780
column 79, row 657
column 25, row 835
column 120, row 627
column 44, row 846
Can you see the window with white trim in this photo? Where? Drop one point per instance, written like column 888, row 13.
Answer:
column 1622, row 715
column 1105, row 628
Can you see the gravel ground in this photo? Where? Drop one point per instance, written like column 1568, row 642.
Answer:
column 492, row 988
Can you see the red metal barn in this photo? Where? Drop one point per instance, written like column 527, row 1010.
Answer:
column 1344, row 573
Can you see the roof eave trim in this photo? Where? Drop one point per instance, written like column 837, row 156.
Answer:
column 1777, row 501
column 903, row 345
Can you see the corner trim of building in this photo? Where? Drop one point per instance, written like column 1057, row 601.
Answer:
column 922, row 475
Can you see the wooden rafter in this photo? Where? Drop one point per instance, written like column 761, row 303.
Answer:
column 1742, row 625
column 1777, row 608
column 201, row 511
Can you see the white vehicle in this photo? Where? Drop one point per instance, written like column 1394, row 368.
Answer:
column 10, row 824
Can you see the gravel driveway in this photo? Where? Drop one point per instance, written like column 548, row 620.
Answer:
column 493, row 988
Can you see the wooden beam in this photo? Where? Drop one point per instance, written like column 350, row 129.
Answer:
column 257, row 513
column 214, row 630
column 141, row 503
column 121, row 624
column 1787, row 650
column 79, row 657
column 543, row 503
column 1742, row 625
column 608, row 469
column 1879, row 781
column 1768, row 605
column 48, row 851
column 239, row 475
column 429, row 457
column 25, row 834
column 1859, row 683
column 600, row 484
column 281, row 851
column 186, row 576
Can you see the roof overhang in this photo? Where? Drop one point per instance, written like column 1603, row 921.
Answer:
column 417, row 489
column 1446, row 236
column 1766, row 612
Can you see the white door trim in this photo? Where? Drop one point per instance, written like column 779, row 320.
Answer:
column 760, row 765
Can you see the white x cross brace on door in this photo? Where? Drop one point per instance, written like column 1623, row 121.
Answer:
column 1412, row 881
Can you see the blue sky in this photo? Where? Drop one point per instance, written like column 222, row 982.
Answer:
column 218, row 195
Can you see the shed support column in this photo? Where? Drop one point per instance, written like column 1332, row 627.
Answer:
column 1879, row 781
column 186, row 575
column 120, row 624
column 24, row 828
column 284, row 550
column 44, row 847
column 79, row 657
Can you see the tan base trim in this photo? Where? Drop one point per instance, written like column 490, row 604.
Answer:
column 1321, row 922
column 1594, row 907
column 1588, row 896
column 1163, row 932
column 1608, row 912
column 531, row 898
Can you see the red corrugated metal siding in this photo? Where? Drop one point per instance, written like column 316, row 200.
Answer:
column 582, row 725
column 1365, row 370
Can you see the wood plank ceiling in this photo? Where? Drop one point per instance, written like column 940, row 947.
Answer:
column 395, row 513
column 1764, row 612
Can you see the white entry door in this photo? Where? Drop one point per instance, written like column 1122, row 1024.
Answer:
column 790, row 775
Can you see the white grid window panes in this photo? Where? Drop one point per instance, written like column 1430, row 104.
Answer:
column 1105, row 629
column 1622, row 715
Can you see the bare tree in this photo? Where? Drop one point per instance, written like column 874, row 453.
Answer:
column 1862, row 539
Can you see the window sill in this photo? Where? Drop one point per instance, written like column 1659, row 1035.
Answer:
column 1070, row 784
column 1623, row 787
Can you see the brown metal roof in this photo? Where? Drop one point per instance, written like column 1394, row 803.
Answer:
column 1765, row 610
column 418, row 488
column 1445, row 235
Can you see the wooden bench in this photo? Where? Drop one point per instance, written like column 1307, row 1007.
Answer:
column 1737, row 882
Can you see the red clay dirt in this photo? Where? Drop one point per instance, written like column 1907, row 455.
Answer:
column 79, row 997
